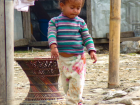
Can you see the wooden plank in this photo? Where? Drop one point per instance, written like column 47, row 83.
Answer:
column 21, row 42
column 26, row 25
column 2, row 56
column 124, row 34
column 39, row 43
column 98, row 41
column 130, row 39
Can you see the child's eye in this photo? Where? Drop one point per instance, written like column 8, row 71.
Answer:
column 71, row 7
column 78, row 8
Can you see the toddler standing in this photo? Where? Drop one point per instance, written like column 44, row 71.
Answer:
column 66, row 35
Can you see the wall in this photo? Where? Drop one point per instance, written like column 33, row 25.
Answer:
column 100, row 14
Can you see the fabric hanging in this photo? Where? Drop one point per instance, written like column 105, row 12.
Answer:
column 23, row 5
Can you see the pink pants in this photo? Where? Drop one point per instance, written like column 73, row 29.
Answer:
column 72, row 73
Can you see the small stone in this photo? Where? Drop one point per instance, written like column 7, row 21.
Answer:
column 129, row 47
column 126, row 102
column 120, row 93
column 113, row 94
column 132, row 89
column 99, row 90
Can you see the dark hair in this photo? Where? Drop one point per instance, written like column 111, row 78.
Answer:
column 64, row 1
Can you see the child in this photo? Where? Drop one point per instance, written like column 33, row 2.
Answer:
column 66, row 34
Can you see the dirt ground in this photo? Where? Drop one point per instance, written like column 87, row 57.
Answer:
column 96, row 77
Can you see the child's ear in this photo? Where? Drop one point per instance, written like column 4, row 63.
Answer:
column 61, row 6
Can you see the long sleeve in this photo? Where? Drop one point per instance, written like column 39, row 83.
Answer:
column 69, row 35
column 52, row 32
column 87, row 39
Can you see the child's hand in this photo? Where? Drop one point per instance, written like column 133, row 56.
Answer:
column 54, row 52
column 93, row 56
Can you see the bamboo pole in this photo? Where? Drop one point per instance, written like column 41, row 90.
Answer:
column 9, row 16
column 114, row 43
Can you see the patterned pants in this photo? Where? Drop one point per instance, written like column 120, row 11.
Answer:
column 72, row 73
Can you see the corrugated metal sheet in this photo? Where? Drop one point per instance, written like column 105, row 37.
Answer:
column 100, row 12
column 18, row 29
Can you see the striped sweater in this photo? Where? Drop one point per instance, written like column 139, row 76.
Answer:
column 70, row 35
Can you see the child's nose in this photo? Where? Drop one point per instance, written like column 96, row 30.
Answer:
column 75, row 10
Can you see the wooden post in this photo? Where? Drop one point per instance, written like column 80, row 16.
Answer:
column 114, row 43
column 9, row 16
column 6, row 52
column 2, row 56
column 26, row 25
column 89, row 17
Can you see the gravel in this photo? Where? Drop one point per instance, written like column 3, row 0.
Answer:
column 96, row 82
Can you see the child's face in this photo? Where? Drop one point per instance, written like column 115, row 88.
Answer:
column 72, row 8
